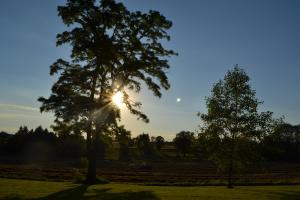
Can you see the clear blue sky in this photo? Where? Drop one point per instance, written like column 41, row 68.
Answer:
column 211, row 36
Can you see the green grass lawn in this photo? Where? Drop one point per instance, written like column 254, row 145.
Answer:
column 12, row 189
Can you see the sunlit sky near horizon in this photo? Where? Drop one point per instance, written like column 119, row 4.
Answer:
column 211, row 36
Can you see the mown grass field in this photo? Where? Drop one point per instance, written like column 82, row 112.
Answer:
column 13, row 189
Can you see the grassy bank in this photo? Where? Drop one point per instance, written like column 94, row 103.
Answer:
column 178, row 173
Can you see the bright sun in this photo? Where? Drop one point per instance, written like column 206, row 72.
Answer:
column 117, row 99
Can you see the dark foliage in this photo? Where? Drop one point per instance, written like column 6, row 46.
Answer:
column 41, row 144
column 71, row 146
column 4, row 138
column 159, row 142
column 183, row 142
column 144, row 145
column 283, row 144
column 232, row 126
column 123, row 138
column 38, row 144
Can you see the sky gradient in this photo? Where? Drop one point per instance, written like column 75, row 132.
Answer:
column 211, row 36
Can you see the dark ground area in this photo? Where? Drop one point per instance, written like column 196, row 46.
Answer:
column 155, row 173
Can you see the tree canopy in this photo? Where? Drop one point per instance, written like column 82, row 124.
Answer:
column 233, row 125
column 112, row 49
column 183, row 141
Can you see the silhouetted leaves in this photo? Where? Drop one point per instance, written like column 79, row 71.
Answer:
column 159, row 142
column 233, row 127
column 143, row 144
column 112, row 49
column 283, row 144
column 183, row 141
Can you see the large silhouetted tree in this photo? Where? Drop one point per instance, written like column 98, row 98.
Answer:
column 233, row 126
column 112, row 49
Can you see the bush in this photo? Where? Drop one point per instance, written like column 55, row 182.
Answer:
column 83, row 162
column 78, row 176
column 145, row 166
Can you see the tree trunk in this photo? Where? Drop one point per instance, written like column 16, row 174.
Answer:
column 91, row 177
column 231, row 160
column 230, row 185
column 91, row 155
column 91, row 151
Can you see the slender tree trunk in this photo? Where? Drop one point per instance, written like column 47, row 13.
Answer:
column 92, row 156
column 230, row 170
column 233, row 143
column 231, row 160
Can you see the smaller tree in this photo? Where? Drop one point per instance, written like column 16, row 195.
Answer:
column 123, row 137
column 103, row 144
column 199, row 149
column 143, row 144
column 159, row 142
column 183, row 142
column 232, row 127
column 23, row 130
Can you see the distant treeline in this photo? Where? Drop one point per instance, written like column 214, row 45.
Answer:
column 41, row 144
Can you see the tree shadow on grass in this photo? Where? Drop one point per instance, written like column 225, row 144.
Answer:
column 287, row 195
column 282, row 195
column 80, row 193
